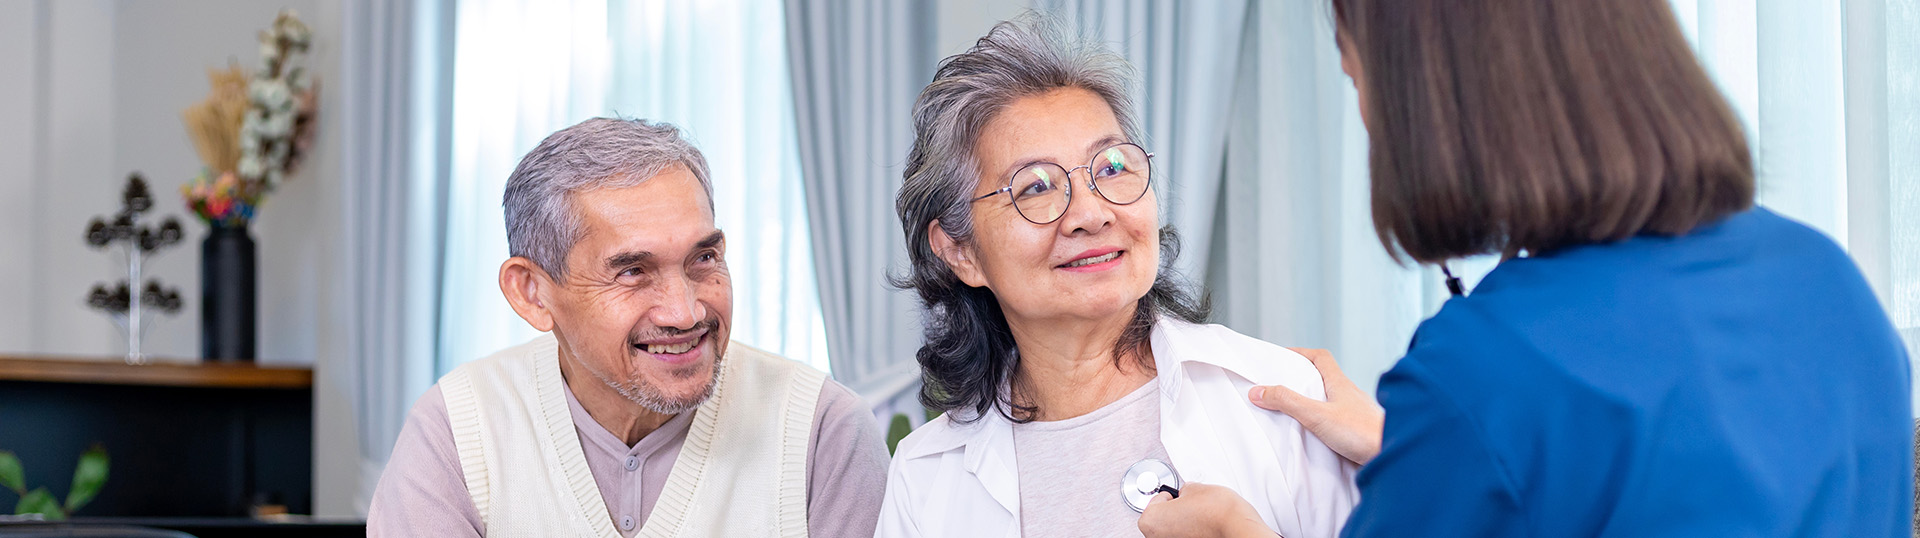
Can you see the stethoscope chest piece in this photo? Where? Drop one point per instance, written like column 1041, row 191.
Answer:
column 1146, row 478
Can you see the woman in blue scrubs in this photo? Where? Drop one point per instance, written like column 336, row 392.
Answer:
column 1655, row 356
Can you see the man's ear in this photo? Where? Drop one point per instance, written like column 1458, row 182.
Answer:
column 958, row 258
column 526, row 285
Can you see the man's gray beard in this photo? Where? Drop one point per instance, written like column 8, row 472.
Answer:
column 648, row 396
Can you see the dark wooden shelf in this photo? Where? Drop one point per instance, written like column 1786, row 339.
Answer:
column 239, row 375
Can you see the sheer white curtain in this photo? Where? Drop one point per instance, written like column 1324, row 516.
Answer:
column 391, row 63
column 1830, row 96
column 717, row 69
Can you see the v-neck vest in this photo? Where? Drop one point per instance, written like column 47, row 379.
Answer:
column 742, row 470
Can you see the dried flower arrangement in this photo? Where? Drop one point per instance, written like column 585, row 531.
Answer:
column 252, row 130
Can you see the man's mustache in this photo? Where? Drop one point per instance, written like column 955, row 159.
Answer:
column 659, row 333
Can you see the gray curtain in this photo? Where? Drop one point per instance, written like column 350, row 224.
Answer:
column 857, row 67
column 391, row 71
column 1295, row 258
column 1185, row 52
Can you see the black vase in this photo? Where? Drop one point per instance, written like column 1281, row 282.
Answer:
column 227, row 304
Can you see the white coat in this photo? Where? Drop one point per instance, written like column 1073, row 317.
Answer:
column 953, row 479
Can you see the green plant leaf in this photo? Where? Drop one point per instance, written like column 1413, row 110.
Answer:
column 11, row 475
column 88, row 476
column 897, row 430
column 39, row 501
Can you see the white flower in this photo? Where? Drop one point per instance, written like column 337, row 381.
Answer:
column 250, row 167
column 297, row 79
column 289, row 26
column 274, row 177
column 269, row 47
column 278, row 125
column 271, row 93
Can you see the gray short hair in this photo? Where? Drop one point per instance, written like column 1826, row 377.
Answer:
column 969, row 351
column 598, row 153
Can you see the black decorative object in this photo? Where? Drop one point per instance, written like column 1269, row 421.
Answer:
column 127, row 305
column 228, row 305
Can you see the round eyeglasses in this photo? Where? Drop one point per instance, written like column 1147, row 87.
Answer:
column 1040, row 192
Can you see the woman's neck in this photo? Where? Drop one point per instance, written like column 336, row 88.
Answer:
column 1067, row 368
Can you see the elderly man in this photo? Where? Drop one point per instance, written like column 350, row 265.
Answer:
column 635, row 414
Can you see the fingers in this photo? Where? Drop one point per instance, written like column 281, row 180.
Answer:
column 1150, row 523
column 1324, row 362
column 1282, row 399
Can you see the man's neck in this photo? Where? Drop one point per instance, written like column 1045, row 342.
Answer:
column 622, row 417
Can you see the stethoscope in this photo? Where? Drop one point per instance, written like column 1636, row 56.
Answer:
column 1453, row 282
column 1145, row 479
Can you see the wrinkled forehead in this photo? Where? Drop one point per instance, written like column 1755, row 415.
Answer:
column 664, row 214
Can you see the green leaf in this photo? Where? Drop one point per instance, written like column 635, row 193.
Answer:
column 39, row 501
column 11, row 475
column 897, row 430
column 88, row 476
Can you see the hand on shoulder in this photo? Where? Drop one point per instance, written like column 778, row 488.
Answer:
column 1349, row 422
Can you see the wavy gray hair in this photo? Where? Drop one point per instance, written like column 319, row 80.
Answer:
column 1027, row 56
column 969, row 350
column 599, row 153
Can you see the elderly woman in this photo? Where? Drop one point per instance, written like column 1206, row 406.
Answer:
column 1060, row 346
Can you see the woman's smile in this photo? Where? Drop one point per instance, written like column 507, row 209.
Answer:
column 1094, row 261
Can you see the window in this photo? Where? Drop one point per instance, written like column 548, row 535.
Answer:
column 717, row 69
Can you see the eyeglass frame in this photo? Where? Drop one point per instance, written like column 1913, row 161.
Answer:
column 1091, row 184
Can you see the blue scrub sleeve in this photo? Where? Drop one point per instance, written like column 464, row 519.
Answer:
column 1434, row 476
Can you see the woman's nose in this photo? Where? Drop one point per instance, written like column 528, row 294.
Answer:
column 1088, row 212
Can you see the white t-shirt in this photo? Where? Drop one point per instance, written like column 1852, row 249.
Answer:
column 1070, row 470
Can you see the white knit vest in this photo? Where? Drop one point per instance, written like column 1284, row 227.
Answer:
column 742, row 470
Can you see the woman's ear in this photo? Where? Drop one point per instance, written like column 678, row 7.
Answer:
column 958, row 258
column 525, row 285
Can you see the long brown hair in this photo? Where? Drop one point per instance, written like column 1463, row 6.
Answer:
column 1530, row 125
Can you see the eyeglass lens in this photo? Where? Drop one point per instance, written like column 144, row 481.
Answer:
column 1120, row 174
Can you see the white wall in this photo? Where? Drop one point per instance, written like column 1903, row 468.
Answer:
column 19, row 113
column 93, row 90
column 59, row 174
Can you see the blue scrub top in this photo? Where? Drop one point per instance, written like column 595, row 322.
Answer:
column 1740, row 380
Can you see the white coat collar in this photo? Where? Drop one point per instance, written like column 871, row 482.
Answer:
column 1177, row 342
column 988, row 441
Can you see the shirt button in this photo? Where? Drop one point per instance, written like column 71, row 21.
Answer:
column 626, row 523
column 633, row 462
